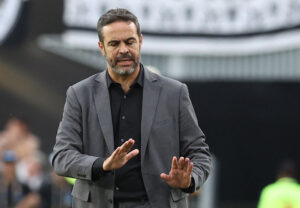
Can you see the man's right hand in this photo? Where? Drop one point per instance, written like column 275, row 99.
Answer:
column 120, row 156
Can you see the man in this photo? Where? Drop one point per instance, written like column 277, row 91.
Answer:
column 124, row 128
column 10, row 188
column 12, row 192
column 285, row 192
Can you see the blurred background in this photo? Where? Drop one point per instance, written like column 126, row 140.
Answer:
column 240, row 60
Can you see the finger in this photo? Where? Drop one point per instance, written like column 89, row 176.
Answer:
column 127, row 145
column 115, row 153
column 190, row 168
column 130, row 143
column 130, row 140
column 186, row 164
column 132, row 154
column 180, row 163
column 174, row 163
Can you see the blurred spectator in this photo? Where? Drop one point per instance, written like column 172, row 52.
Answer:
column 285, row 192
column 32, row 172
column 61, row 192
column 10, row 188
column 26, row 180
column 17, row 136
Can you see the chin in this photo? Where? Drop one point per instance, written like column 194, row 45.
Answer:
column 124, row 71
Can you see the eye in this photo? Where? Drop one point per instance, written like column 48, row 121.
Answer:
column 130, row 41
column 113, row 43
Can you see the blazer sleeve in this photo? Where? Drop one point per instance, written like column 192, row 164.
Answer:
column 192, row 140
column 68, row 158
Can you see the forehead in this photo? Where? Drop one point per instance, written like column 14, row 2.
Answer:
column 119, row 30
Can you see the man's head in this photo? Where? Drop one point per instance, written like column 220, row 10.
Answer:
column 287, row 168
column 18, row 125
column 120, row 40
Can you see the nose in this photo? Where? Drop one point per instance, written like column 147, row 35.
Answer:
column 123, row 48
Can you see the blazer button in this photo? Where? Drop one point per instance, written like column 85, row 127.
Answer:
column 110, row 201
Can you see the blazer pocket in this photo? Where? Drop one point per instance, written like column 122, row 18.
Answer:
column 81, row 190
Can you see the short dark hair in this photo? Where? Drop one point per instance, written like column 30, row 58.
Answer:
column 287, row 168
column 115, row 15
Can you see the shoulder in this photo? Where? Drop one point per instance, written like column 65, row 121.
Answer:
column 84, row 88
column 163, row 81
column 268, row 191
column 269, row 188
column 170, row 82
column 88, row 82
column 174, row 87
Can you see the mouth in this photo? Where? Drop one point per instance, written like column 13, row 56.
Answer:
column 125, row 61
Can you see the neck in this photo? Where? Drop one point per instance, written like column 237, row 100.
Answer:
column 124, row 80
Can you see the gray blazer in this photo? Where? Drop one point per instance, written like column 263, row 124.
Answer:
column 169, row 128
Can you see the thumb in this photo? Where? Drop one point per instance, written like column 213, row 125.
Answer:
column 165, row 177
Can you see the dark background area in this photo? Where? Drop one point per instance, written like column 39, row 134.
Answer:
column 250, row 126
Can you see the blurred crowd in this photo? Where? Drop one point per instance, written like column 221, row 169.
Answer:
column 26, row 177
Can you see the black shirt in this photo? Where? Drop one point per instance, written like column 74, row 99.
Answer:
column 126, row 111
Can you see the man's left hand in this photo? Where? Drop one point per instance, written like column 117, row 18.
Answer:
column 180, row 173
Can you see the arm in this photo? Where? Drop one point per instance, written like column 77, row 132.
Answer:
column 192, row 169
column 192, row 140
column 69, row 159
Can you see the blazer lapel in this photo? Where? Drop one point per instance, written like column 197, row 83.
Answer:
column 102, row 103
column 151, row 93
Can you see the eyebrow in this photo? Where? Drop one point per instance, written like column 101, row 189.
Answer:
column 116, row 41
column 128, row 39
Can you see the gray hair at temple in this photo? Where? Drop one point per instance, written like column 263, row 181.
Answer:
column 115, row 15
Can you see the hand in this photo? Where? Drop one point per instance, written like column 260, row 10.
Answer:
column 120, row 156
column 180, row 173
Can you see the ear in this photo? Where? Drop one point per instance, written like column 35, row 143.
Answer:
column 102, row 49
column 141, row 40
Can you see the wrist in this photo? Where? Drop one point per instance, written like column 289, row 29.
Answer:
column 191, row 187
column 190, row 182
column 104, row 166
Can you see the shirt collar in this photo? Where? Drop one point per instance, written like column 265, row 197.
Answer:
column 139, row 80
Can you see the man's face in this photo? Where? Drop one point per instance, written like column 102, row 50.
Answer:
column 121, row 47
